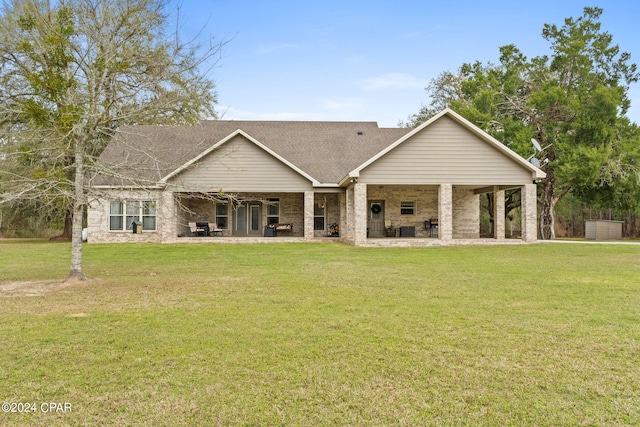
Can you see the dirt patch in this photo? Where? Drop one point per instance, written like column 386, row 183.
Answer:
column 35, row 288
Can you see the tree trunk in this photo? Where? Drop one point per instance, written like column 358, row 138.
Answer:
column 78, row 205
column 547, row 214
column 68, row 224
column 549, row 201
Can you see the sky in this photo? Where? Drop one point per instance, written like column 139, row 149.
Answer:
column 371, row 60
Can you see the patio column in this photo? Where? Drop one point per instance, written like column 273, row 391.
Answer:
column 445, row 212
column 360, row 213
column 529, row 213
column 166, row 218
column 309, row 201
column 343, row 215
column 498, row 214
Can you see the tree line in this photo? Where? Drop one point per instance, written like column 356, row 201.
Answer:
column 566, row 112
column 74, row 71
column 71, row 73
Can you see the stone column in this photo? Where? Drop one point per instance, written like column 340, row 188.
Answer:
column 167, row 218
column 360, row 213
column 529, row 213
column 343, row 215
column 445, row 212
column 498, row 214
column 346, row 228
column 309, row 201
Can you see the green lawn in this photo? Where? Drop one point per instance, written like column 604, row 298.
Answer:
column 324, row 334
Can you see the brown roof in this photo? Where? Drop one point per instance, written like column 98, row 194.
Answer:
column 327, row 151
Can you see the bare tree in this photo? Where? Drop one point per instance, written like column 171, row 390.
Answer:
column 72, row 72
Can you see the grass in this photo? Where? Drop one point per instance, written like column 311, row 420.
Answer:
column 324, row 334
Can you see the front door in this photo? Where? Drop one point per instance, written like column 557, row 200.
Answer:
column 375, row 223
column 241, row 220
column 248, row 219
column 255, row 219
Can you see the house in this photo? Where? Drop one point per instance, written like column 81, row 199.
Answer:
column 350, row 180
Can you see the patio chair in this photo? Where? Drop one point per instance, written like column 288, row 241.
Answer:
column 213, row 229
column 195, row 230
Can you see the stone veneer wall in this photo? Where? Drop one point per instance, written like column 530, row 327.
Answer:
column 332, row 211
column 466, row 208
column 466, row 214
column 291, row 211
column 426, row 205
column 529, row 213
column 347, row 232
column 98, row 218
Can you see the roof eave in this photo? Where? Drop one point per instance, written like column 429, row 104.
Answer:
column 537, row 173
column 128, row 187
column 232, row 135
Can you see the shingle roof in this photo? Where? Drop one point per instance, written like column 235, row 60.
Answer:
column 327, row 151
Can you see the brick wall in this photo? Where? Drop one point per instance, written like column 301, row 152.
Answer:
column 425, row 207
column 98, row 218
column 332, row 211
column 466, row 214
column 466, row 208
column 291, row 211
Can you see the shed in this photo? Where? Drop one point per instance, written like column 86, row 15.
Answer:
column 603, row 230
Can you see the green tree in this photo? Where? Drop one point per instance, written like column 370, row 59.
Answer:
column 573, row 103
column 72, row 72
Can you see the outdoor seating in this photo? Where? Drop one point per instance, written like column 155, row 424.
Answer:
column 282, row 227
column 197, row 230
column 213, row 229
column 433, row 229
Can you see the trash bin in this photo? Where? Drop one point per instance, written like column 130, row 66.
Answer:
column 269, row 231
column 136, row 226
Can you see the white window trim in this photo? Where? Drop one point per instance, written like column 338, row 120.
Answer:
column 124, row 215
column 273, row 202
column 413, row 207
column 323, row 216
column 216, row 216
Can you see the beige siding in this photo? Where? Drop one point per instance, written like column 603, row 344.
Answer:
column 445, row 152
column 239, row 165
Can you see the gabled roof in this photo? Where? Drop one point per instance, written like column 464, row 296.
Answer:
column 537, row 173
column 320, row 151
column 232, row 135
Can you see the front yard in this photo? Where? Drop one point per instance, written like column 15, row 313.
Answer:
column 322, row 334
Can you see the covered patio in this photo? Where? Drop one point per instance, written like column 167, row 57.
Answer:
column 433, row 215
column 243, row 216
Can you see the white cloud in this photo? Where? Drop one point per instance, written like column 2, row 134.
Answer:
column 392, row 81
column 267, row 49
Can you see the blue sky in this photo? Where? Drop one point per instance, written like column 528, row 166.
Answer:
column 371, row 60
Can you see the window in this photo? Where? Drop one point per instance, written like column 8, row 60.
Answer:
column 148, row 215
column 115, row 216
column 222, row 215
column 273, row 211
column 123, row 213
column 132, row 209
column 407, row 208
column 318, row 216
